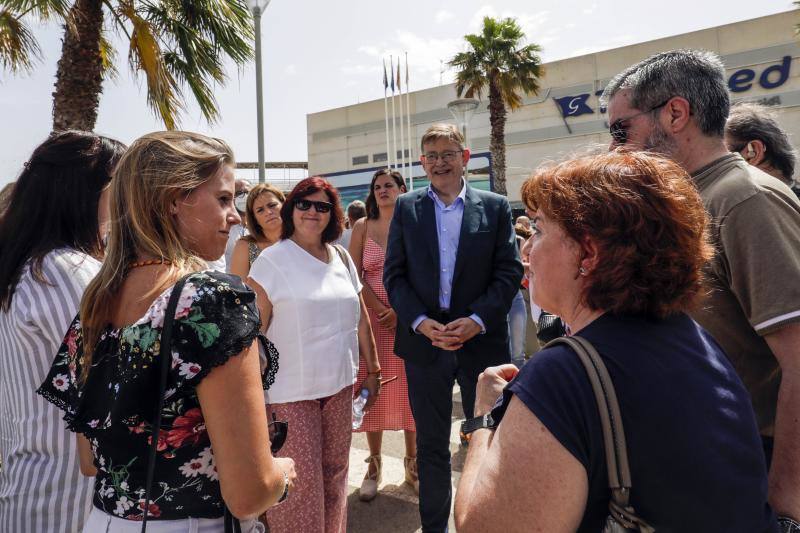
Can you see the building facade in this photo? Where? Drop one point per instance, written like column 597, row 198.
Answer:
column 761, row 57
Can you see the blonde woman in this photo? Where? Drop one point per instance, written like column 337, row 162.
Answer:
column 263, row 212
column 171, row 211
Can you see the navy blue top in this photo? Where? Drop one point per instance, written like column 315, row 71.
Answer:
column 695, row 455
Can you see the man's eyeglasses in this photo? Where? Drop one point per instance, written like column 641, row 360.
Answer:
column 240, row 200
column 447, row 156
column 619, row 129
column 278, row 430
column 320, row 207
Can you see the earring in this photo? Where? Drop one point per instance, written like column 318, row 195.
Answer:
column 582, row 271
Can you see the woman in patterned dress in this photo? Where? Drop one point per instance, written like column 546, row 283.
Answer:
column 263, row 214
column 392, row 410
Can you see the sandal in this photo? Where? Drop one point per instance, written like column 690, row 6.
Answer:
column 412, row 476
column 369, row 487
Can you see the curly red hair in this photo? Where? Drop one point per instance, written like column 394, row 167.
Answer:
column 647, row 220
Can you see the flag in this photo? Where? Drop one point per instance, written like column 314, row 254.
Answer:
column 385, row 77
column 391, row 68
column 573, row 106
column 398, row 74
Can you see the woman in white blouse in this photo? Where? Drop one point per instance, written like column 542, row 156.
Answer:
column 51, row 244
column 310, row 299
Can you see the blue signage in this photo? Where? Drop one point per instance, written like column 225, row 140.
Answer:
column 573, row 106
column 772, row 77
column 739, row 81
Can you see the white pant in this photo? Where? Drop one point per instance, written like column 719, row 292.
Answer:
column 100, row 522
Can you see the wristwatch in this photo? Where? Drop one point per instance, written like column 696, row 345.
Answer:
column 787, row 525
column 472, row 424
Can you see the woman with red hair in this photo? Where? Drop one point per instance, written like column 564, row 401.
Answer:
column 619, row 244
column 309, row 294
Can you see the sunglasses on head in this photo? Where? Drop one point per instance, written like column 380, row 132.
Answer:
column 320, row 207
column 619, row 128
column 278, row 430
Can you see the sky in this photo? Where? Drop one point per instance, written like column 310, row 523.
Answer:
column 320, row 55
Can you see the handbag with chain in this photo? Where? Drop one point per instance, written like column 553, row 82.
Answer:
column 622, row 516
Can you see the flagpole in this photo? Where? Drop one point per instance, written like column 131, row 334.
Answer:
column 386, row 109
column 402, row 128
column 408, row 130
column 394, row 120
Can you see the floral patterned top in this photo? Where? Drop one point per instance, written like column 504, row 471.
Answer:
column 216, row 318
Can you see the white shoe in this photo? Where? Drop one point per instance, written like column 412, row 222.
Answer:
column 369, row 487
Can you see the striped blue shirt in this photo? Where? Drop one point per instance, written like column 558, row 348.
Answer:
column 41, row 487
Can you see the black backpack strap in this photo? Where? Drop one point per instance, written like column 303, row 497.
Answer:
column 166, row 357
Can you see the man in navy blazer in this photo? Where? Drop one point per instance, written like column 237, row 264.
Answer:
column 451, row 271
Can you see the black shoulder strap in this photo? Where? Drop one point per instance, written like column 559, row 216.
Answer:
column 166, row 357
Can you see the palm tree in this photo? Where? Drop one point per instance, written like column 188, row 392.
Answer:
column 497, row 59
column 174, row 43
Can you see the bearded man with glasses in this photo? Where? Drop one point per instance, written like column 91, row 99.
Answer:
column 451, row 272
column 676, row 103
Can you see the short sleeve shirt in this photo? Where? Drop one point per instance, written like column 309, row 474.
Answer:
column 694, row 451
column 216, row 319
column 314, row 322
column 755, row 274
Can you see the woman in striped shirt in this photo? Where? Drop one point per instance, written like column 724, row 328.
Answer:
column 51, row 244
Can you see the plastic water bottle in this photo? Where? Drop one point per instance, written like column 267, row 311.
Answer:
column 358, row 408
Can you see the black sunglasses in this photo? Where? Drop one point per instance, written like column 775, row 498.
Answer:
column 278, row 430
column 619, row 131
column 320, row 207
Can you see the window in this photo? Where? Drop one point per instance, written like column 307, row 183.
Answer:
column 380, row 158
column 361, row 160
column 400, row 154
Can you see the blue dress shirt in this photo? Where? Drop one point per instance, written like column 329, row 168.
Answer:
column 448, row 231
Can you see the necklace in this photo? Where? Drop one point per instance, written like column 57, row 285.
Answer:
column 149, row 262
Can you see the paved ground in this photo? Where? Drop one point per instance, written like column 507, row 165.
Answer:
column 394, row 510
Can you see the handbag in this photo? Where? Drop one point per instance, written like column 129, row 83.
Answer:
column 231, row 523
column 622, row 516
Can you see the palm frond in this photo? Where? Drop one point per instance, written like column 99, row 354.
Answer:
column 42, row 9
column 163, row 94
column 108, row 55
column 199, row 35
column 18, row 46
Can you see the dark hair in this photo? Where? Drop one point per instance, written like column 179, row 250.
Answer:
column 372, row 205
column 253, row 227
column 356, row 210
column 54, row 204
column 647, row 219
column 308, row 187
column 696, row 75
column 755, row 122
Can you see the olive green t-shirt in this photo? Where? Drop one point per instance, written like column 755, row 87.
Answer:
column 755, row 274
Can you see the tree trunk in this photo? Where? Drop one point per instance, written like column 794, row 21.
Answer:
column 79, row 78
column 497, row 140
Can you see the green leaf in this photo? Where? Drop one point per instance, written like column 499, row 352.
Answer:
column 207, row 332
